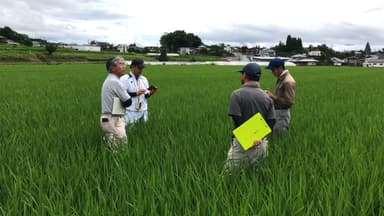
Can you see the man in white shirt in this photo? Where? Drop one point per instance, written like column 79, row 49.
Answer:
column 138, row 88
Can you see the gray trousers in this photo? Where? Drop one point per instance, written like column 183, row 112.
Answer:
column 283, row 117
column 239, row 158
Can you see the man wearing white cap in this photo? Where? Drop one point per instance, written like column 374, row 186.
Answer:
column 138, row 88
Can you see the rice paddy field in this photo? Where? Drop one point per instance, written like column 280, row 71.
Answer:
column 53, row 160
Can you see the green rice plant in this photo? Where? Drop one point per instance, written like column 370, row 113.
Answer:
column 53, row 159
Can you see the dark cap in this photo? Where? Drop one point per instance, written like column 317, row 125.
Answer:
column 276, row 62
column 252, row 70
column 137, row 62
column 109, row 63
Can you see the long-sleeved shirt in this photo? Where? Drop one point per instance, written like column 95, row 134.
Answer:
column 132, row 84
column 285, row 91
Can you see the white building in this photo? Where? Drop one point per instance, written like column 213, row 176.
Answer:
column 302, row 59
column 337, row 62
column 315, row 53
column 8, row 41
column 267, row 52
column 185, row 50
column 168, row 54
column 123, row 48
column 86, row 48
column 228, row 49
column 373, row 63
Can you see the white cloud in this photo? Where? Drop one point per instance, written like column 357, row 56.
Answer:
column 337, row 23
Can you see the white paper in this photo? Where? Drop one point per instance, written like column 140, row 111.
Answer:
column 117, row 108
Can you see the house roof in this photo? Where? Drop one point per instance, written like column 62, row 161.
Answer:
column 375, row 61
column 303, row 60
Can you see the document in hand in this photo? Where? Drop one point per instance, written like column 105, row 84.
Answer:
column 117, row 107
column 255, row 128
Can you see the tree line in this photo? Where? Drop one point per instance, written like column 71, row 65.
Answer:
column 17, row 37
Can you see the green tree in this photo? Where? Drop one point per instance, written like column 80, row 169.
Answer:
column 292, row 46
column 163, row 54
column 174, row 40
column 216, row 50
column 17, row 37
column 51, row 48
column 367, row 49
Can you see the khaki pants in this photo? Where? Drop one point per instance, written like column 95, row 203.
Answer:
column 283, row 117
column 239, row 158
column 114, row 129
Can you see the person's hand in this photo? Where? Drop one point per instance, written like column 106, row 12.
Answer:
column 257, row 143
column 140, row 92
column 268, row 93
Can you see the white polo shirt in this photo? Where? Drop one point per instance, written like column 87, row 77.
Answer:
column 132, row 85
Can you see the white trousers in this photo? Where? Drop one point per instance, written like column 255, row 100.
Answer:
column 132, row 117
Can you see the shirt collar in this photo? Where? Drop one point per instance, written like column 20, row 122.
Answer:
column 112, row 75
column 284, row 72
column 134, row 76
column 252, row 84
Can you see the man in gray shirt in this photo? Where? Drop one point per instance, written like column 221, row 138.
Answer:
column 246, row 102
column 113, row 125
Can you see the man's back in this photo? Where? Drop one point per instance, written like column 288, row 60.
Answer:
column 285, row 91
column 249, row 100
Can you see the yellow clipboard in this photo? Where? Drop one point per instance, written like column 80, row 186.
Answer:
column 255, row 128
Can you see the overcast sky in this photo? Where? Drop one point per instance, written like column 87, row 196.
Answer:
column 341, row 24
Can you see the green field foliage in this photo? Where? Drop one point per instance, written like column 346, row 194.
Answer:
column 53, row 160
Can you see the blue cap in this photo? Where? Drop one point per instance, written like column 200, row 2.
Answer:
column 252, row 70
column 276, row 62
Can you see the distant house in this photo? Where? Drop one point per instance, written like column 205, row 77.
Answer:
column 354, row 61
column 64, row 45
column 264, row 60
column 158, row 54
column 135, row 47
column 337, row 62
column 152, row 49
column 267, row 52
column 314, row 53
column 185, row 50
column 38, row 42
column 299, row 56
column 303, row 60
column 373, row 62
column 90, row 48
column 5, row 40
column 228, row 49
column 123, row 48
column 11, row 42
column 251, row 51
